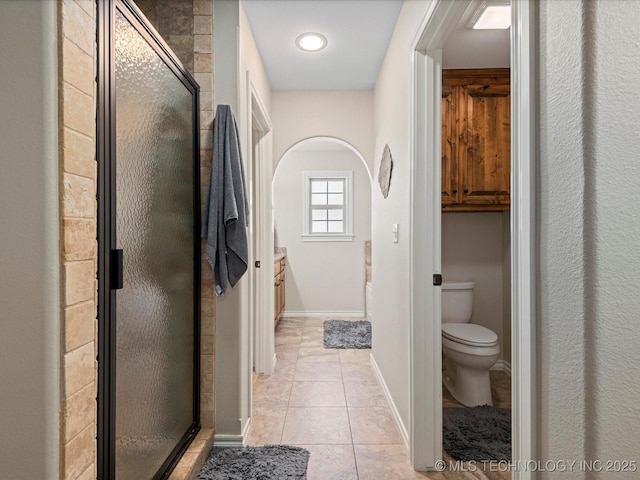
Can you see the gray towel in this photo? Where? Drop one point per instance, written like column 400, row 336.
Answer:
column 226, row 216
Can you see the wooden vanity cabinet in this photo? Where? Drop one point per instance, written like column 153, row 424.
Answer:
column 279, row 288
column 476, row 140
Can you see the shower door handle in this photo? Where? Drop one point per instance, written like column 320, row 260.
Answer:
column 116, row 269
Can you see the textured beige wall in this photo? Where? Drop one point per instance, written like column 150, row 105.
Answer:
column 589, row 233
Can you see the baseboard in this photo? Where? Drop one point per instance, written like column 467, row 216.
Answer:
column 502, row 366
column 307, row 313
column 404, row 433
column 227, row 441
column 233, row 441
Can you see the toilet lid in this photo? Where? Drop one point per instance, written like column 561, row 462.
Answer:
column 469, row 334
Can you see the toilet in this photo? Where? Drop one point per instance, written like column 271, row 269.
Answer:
column 469, row 350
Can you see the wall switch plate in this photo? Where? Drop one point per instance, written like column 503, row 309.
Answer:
column 394, row 230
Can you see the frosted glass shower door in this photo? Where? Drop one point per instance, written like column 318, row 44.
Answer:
column 155, row 311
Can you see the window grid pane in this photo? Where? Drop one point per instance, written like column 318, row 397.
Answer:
column 336, row 186
column 335, row 214
column 327, row 220
column 318, row 199
column 335, row 199
column 318, row 186
column 327, row 205
column 319, row 214
column 335, row 227
column 319, row 227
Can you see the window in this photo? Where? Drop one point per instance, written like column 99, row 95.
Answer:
column 328, row 206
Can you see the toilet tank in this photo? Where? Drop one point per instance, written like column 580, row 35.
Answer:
column 457, row 302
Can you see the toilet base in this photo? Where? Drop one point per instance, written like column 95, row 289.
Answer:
column 471, row 387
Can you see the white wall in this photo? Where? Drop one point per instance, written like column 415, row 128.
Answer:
column 235, row 54
column 321, row 276
column 298, row 115
column 589, row 190
column 251, row 62
column 29, row 259
column 472, row 250
column 506, row 287
column 391, row 260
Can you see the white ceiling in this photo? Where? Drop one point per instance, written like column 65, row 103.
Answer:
column 358, row 33
column 468, row 48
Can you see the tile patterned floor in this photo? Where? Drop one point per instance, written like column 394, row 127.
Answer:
column 329, row 402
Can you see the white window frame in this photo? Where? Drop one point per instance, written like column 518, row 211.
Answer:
column 307, row 235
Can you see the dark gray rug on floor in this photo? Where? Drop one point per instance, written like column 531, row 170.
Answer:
column 271, row 462
column 346, row 334
column 477, row 433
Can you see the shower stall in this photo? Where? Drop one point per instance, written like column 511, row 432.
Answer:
column 149, row 249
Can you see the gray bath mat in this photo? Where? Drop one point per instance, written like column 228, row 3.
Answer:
column 346, row 334
column 271, row 462
column 477, row 433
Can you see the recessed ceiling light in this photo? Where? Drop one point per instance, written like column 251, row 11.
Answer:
column 311, row 42
column 491, row 15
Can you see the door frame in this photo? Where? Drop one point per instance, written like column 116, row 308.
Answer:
column 261, row 298
column 426, row 124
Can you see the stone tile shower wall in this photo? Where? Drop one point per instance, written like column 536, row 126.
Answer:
column 78, row 210
column 187, row 27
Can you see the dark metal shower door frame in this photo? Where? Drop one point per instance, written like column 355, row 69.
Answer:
column 107, row 277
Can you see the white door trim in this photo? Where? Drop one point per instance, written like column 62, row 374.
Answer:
column 425, row 428
column 261, row 302
column 425, row 423
column 523, row 233
column 425, row 343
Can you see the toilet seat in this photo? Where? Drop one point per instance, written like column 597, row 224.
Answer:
column 469, row 334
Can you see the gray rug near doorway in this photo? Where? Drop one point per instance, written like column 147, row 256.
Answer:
column 271, row 462
column 481, row 433
column 347, row 334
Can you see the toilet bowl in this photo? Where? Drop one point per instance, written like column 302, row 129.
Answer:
column 469, row 350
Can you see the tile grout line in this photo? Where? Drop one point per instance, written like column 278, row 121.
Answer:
column 353, row 448
column 286, row 413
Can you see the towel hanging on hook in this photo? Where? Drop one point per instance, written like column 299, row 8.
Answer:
column 226, row 213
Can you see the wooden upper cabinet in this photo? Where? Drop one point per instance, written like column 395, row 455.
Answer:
column 476, row 140
column 449, row 148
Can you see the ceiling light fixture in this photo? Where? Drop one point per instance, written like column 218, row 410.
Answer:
column 311, row 42
column 491, row 15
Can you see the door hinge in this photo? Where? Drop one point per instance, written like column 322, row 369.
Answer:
column 116, row 269
column 257, row 263
column 437, row 279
